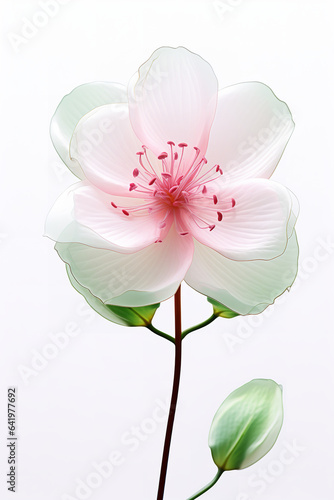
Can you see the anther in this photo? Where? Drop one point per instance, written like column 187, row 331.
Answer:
column 220, row 216
column 171, row 143
column 176, row 156
column 233, row 202
column 132, row 186
column 162, row 156
column 204, row 190
column 182, row 145
column 152, row 181
column 125, row 212
column 135, row 173
column 215, row 199
column 212, row 227
column 166, row 175
column 184, row 234
column 113, row 204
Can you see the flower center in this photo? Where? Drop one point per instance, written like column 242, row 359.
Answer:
column 175, row 189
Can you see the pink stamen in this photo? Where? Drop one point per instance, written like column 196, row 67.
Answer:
column 179, row 186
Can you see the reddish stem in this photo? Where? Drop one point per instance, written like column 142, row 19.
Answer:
column 176, row 383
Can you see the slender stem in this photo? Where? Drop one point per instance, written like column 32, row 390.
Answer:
column 176, row 383
column 200, row 325
column 208, row 486
column 160, row 333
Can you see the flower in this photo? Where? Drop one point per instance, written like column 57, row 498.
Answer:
column 174, row 185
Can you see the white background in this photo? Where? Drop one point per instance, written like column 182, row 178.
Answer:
column 74, row 410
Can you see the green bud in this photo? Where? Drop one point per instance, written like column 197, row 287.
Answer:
column 221, row 310
column 246, row 425
column 126, row 316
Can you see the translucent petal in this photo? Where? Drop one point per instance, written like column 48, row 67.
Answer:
column 73, row 107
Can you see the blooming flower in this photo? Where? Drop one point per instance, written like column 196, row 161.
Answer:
column 174, row 185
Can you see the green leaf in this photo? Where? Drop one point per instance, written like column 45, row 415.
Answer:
column 246, row 425
column 126, row 316
column 221, row 310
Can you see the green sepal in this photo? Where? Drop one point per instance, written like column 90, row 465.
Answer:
column 134, row 316
column 221, row 310
column 126, row 316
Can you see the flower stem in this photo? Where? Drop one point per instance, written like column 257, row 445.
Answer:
column 200, row 325
column 176, row 383
column 208, row 486
column 160, row 333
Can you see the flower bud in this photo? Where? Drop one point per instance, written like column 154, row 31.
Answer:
column 246, row 425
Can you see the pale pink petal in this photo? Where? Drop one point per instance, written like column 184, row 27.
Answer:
column 84, row 214
column 245, row 287
column 145, row 277
column 256, row 227
column 105, row 146
column 73, row 107
column 250, row 131
column 173, row 98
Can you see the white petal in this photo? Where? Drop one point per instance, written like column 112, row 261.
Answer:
column 73, row 107
column 145, row 277
column 105, row 146
column 173, row 98
column 244, row 287
column 84, row 214
column 257, row 227
column 250, row 131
